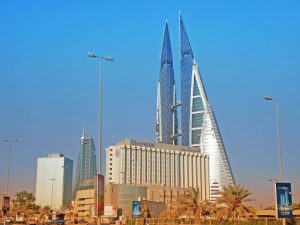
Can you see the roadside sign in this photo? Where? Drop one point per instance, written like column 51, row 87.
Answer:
column 99, row 195
column 136, row 209
column 283, row 194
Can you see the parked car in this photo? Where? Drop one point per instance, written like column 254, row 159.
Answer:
column 60, row 222
column 9, row 220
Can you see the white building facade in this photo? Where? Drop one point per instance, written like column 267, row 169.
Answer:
column 54, row 181
column 146, row 164
column 199, row 125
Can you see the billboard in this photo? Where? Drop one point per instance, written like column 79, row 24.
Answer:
column 6, row 202
column 99, row 195
column 136, row 209
column 283, row 194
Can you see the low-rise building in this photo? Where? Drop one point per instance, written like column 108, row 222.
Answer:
column 84, row 203
column 122, row 196
column 146, row 164
column 157, row 198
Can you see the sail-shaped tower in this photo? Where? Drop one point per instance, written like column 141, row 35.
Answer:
column 166, row 114
column 199, row 125
column 86, row 165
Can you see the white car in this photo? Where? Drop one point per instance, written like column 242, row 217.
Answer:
column 9, row 220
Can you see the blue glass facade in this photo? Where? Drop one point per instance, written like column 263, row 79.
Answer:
column 166, row 125
column 186, row 64
column 86, row 165
column 199, row 126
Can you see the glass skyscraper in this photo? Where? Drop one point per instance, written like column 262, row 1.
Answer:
column 86, row 165
column 166, row 115
column 54, row 181
column 186, row 63
column 199, row 125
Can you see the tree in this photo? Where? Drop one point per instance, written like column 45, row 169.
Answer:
column 46, row 209
column 232, row 203
column 190, row 204
column 145, row 211
column 24, row 200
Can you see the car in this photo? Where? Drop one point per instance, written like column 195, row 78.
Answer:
column 60, row 222
column 9, row 220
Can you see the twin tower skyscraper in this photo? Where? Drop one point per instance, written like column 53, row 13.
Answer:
column 199, row 127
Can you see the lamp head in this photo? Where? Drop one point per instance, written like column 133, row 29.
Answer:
column 10, row 140
column 91, row 55
column 268, row 98
column 108, row 58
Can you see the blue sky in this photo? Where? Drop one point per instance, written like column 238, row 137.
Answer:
column 245, row 50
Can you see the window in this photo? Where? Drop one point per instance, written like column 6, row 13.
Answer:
column 197, row 104
column 196, row 136
column 196, row 88
column 197, row 120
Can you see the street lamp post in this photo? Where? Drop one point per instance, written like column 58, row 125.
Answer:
column 52, row 191
column 107, row 58
column 269, row 98
column 135, row 178
column 10, row 141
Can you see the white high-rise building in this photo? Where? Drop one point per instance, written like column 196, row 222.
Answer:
column 146, row 164
column 198, row 121
column 54, row 181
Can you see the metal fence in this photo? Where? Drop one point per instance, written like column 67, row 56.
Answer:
column 188, row 221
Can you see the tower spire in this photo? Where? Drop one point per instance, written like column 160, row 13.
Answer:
column 198, row 122
column 83, row 129
column 166, row 115
column 185, row 45
column 166, row 52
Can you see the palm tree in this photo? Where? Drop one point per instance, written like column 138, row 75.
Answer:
column 145, row 211
column 190, row 204
column 232, row 203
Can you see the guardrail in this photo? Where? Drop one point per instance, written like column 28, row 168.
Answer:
column 189, row 221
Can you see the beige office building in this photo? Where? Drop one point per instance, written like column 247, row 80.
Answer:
column 146, row 164
column 84, row 203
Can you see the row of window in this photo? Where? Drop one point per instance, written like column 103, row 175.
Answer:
column 150, row 171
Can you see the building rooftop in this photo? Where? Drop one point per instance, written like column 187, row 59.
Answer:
column 157, row 145
column 55, row 155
